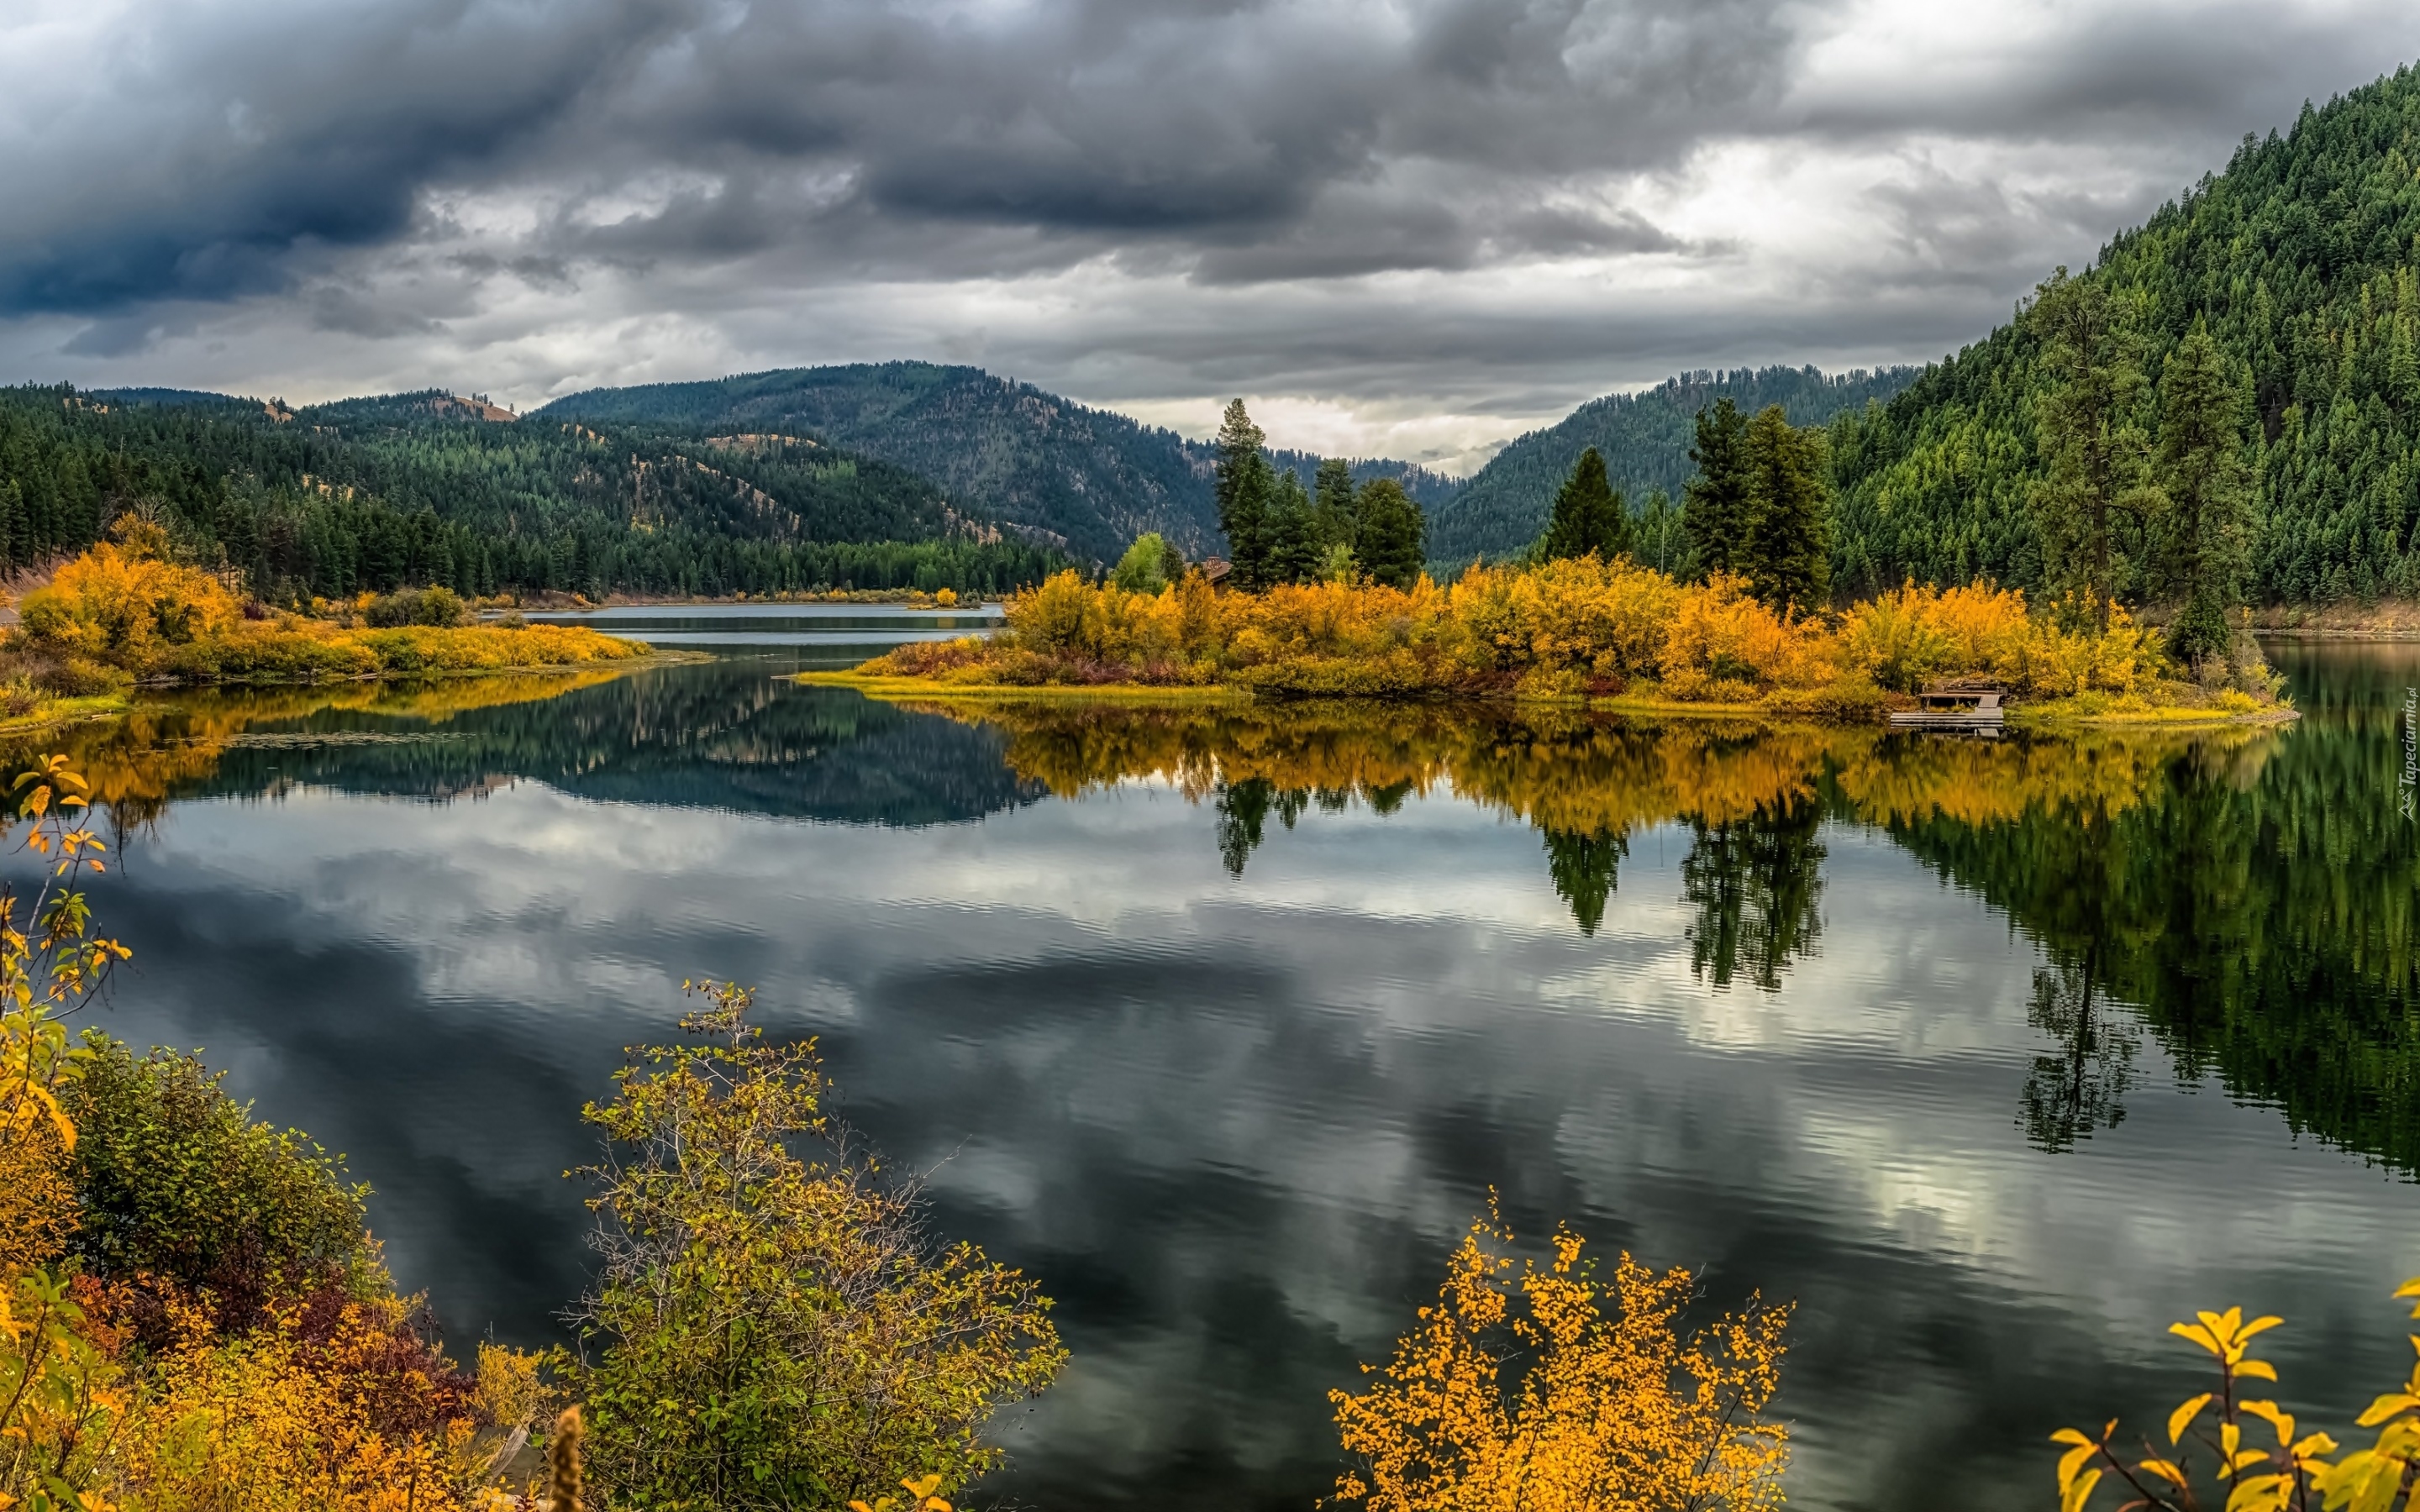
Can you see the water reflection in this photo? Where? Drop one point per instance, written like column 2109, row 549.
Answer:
column 1231, row 1089
column 721, row 734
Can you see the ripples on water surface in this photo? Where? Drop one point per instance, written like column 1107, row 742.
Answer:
column 1996, row 1058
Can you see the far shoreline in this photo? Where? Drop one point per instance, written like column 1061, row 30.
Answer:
column 2048, row 716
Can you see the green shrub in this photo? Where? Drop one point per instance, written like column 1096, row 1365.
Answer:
column 175, row 1180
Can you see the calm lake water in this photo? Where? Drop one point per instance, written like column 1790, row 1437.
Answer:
column 1996, row 1058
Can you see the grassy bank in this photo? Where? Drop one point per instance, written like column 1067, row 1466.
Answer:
column 1582, row 632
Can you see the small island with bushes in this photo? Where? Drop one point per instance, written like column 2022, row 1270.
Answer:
column 126, row 614
column 1327, row 596
column 1582, row 630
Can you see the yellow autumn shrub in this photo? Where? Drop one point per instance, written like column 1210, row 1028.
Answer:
column 127, row 608
column 2229, row 1448
column 1560, row 628
column 1550, row 1388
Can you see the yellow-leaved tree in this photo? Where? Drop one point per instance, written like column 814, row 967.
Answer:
column 1616, row 1406
column 779, row 1329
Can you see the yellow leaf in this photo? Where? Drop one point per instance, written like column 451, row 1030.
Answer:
column 2258, row 1325
column 2386, row 1407
column 2317, row 1445
column 2235, row 1462
column 2198, row 1335
column 2409, row 1288
column 2259, row 1370
column 2072, row 1462
column 924, row 1486
column 2062, row 1436
column 2260, row 1493
column 2277, row 1418
column 2168, row 1472
column 2074, row 1500
column 2182, row 1417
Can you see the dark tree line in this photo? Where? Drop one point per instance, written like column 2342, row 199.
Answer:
column 378, row 494
column 1758, row 506
column 1279, row 532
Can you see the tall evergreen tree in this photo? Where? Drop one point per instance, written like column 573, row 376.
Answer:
column 1788, row 558
column 1662, row 539
column 1244, row 486
column 1390, row 542
column 2205, row 488
column 1717, row 509
column 1295, row 543
column 1589, row 517
column 1331, row 492
column 2096, row 450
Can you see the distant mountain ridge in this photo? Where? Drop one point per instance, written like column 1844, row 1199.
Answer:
column 1091, row 480
column 432, row 487
column 1644, row 438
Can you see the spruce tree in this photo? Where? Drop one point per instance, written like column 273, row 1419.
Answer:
column 1790, row 540
column 1390, row 542
column 2089, row 435
column 1719, row 511
column 1588, row 515
column 1294, row 542
column 1243, row 487
column 1661, row 541
column 2205, row 490
column 1331, row 494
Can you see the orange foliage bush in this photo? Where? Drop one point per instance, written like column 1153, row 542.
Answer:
column 127, row 609
column 1560, row 629
column 1614, row 1406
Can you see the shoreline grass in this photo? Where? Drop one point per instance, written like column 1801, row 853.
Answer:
column 2049, row 716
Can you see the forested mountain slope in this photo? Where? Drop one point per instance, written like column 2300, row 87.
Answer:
column 372, row 493
column 1091, row 479
column 1644, row 438
column 2300, row 257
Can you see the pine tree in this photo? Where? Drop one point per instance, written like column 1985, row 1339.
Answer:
column 1332, row 494
column 2089, row 435
column 1589, row 517
column 2205, row 490
column 1392, row 533
column 1245, row 484
column 1719, row 511
column 1295, row 545
column 1662, row 537
column 1790, row 540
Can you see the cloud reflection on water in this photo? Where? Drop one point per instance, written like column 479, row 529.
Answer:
column 1234, row 1124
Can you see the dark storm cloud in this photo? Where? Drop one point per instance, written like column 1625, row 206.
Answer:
column 1485, row 208
column 1263, row 134
column 194, row 165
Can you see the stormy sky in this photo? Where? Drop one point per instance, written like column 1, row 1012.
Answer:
column 1412, row 227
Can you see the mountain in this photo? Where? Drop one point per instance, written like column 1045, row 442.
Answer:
column 1644, row 438
column 368, row 494
column 2301, row 259
column 1091, row 480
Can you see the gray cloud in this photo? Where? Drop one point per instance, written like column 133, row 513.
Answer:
column 1484, row 206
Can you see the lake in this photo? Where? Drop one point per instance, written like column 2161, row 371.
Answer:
column 1995, row 1058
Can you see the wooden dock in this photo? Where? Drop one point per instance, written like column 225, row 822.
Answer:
column 1968, row 707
